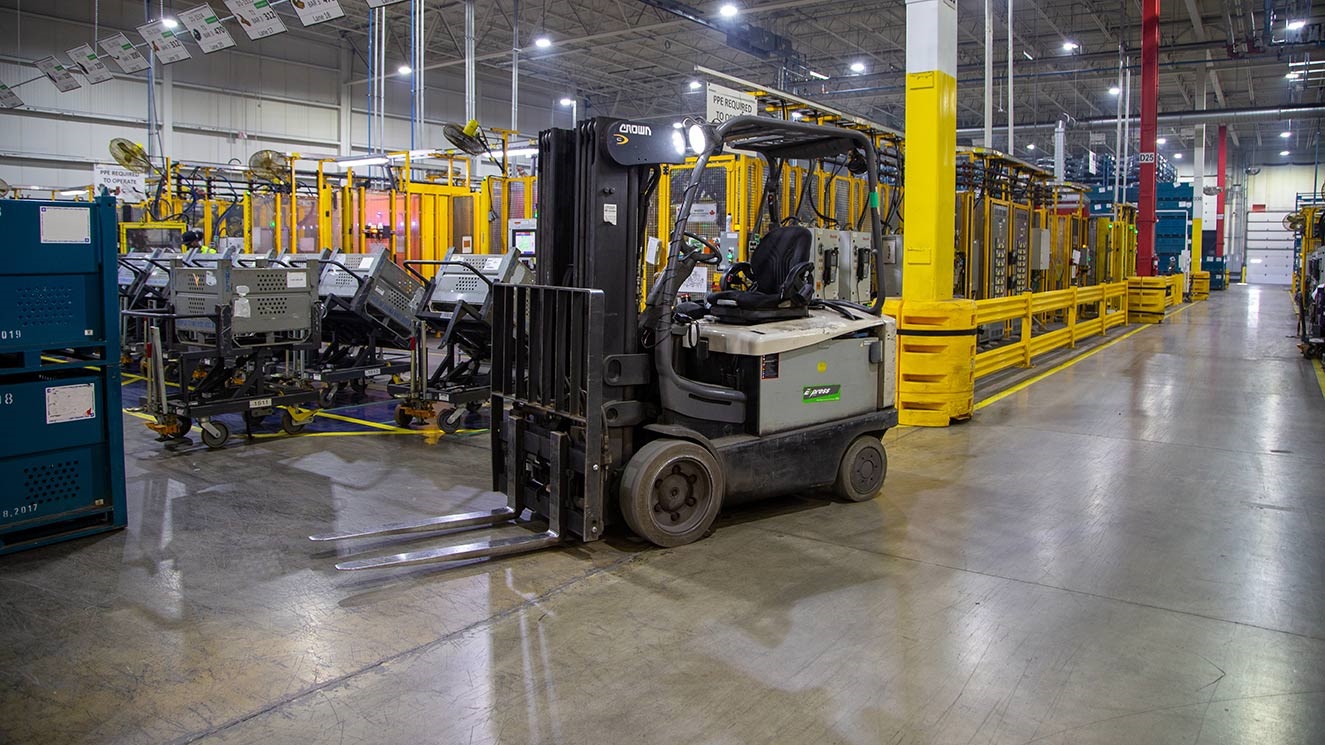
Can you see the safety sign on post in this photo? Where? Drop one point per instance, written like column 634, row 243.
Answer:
column 52, row 69
column 256, row 18
column 126, row 185
column 92, row 66
column 725, row 103
column 206, row 28
column 317, row 11
column 165, row 45
column 124, row 53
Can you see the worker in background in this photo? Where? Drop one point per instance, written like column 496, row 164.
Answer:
column 193, row 239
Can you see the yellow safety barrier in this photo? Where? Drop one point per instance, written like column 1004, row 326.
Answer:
column 1176, row 287
column 1147, row 297
column 1110, row 302
column 1200, row 285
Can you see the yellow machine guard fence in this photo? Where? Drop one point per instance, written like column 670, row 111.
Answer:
column 1109, row 301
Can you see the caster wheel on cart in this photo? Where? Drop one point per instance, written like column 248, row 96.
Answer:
column 863, row 468
column 671, row 492
column 215, row 441
column 359, row 386
column 289, row 425
column 450, row 420
column 403, row 418
column 326, row 397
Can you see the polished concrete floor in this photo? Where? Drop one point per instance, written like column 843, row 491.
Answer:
column 1129, row 551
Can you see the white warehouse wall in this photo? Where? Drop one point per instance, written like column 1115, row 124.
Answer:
column 285, row 93
column 1277, row 187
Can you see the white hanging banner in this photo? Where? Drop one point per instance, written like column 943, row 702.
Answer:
column 256, row 18
column 126, row 185
column 95, row 70
column 381, row 3
column 163, row 42
column 124, row 53
column 205, row 27
column 312, row 12
column 8, row 98
column 58, row 74
column 725, row 103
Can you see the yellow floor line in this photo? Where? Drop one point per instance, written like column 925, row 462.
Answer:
column 1320, row 375
column 363, row 422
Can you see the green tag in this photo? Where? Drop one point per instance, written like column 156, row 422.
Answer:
column 874, row 200
column 817, row 394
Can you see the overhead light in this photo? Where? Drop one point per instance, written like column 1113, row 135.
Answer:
column 1115, row 90
column 404, row 69
column 1296, row 25
column 1070, row 46
column 795, row 115
column 1031, row 146
column 1161, row 140
column 677, row 125
column 375, row 160
column 521, row 152
column 1177, row 156
column 170, row 23
column 858, row 67
column 542, row 42
column 818, row 75
column 701, row 138
column 567, row 102
column 1281, row 152
column 1293, row 75
column 414, row 154
column 1026, row 54
column 728, row 10
column 695, row 85
column 81, row 192
column 678, row 142
column 1286, row 134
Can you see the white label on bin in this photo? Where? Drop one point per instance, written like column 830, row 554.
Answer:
column 242, row 309
column 66, row 225
column 296, row 279
column 71, row 403
column 259, row 403
column 366, row 262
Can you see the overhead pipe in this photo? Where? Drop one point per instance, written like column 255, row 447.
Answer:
column 1118, row 139
column 1012, row 119
column 1181, row 118
column 471, row 85
column 989, row 73
column 515, row 68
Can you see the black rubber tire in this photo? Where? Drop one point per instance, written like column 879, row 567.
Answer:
column 185, row 424
column 359, row 385
column 215, row 441
column 288, row 424
column 658, row 486
column 450, row 420
column 326, row 396
column 403, row 418
column 863, row 468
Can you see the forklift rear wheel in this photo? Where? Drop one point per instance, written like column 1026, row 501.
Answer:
column 863, row 468
column 671, row 492
column 288, row 423
column 215, row 441
column 403, row 418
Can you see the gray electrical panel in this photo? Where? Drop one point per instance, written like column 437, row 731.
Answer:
column 1021, row 249
column 843, row 265
column 998, row 250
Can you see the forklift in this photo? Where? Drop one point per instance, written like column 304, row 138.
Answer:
column 661, row 411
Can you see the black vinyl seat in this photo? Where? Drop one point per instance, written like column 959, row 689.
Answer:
column 776, row 284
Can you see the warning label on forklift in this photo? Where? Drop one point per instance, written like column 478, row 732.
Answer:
column 71, row 403
column 768, row 367
column 817, row 394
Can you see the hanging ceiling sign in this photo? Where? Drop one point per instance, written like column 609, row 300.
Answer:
column 126, row 185
column 8, row 98
column 312, row 12
column 382, row 3
column 256, row 18
column 124, row 53
column 725, row 103
column 58, row 74
column 167, row 47
column 95, row 70
column 205, row 27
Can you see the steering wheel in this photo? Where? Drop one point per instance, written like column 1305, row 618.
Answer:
column 712, row 254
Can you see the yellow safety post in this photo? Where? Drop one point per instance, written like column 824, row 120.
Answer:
column 248, row 222
column 936, row 333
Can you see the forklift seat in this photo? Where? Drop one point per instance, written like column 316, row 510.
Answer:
column 777, row 283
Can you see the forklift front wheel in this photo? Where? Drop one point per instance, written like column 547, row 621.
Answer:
column 863, row 468
column 671, row 492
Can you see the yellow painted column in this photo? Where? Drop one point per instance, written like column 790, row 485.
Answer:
column 936, row 333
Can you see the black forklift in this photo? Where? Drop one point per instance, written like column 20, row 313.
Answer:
column 662, row 410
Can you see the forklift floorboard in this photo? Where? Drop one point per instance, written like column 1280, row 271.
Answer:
column 1131, row 550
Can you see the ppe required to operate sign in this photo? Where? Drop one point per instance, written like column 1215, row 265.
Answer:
column 725, row 103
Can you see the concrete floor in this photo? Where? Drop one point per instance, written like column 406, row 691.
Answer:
column 1130, row 551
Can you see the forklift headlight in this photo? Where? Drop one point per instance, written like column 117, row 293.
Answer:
column 678, row 142
column 701, row 138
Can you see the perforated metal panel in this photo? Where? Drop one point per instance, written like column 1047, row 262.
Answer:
column 45, row 305
column 54, row 483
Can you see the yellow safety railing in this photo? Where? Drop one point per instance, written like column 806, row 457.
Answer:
column 1110, row 303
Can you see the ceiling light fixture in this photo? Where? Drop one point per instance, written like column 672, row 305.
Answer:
column 1296, row 25
column 542, row 42
column 695, row 85
column 1177, row 156
column 1026, row 54
column 404, row 69
column 728, row 10
column 567, row 102
column 1031, row 146
column 1115, row 90
column 858, row 67
column 1281, row 152
column 1070, row 46
column 1161, row 140
column 1286, row 134
column 818, row 75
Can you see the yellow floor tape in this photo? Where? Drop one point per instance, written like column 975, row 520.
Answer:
column 1320, row 375
column 1023, row 385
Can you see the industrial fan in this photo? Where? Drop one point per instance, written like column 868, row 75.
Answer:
column 471, row 141
column 4, row 188
column 130, row 155
column 1294, row 221
column 1210, row 191
column 270, row 165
